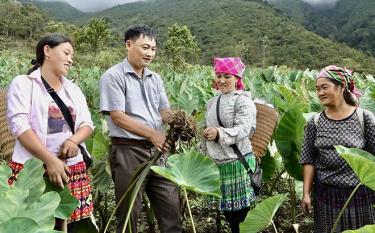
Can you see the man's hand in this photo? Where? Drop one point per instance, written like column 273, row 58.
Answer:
column 210, row 133
column 159, row 141
column 167, row 115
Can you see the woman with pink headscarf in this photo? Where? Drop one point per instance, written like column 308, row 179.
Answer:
column 326, row 174
column 230, row 120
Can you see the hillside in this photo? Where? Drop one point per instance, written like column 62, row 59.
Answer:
column 250, row 29
column 349, row 21
column 58, row 10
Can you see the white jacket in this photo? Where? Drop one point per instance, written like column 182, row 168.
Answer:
column 238, row 115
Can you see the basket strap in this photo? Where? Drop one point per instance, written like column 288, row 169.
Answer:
column 316, row 118
column 360, row 118
column 359, row 113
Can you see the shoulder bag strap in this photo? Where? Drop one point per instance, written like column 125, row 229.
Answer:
column 63, row 108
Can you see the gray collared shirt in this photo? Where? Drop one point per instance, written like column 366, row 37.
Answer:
column 140, row 98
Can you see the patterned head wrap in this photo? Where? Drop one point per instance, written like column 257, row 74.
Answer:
column 231, row 65
column 342, row 75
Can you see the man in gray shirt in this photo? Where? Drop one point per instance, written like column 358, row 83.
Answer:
column 134, row 101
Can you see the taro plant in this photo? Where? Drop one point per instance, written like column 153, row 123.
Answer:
column 262, row 215
column 29, row 205
column 363, row 165
column 182, row 130
column 101, row 173
column 289, row 137
column 192, row 171
column 365, row 229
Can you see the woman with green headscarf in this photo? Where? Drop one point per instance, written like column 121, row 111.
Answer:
column 330, row 178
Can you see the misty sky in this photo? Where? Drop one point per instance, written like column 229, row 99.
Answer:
column 94, row 5
column 320, row 2
column 97, row 5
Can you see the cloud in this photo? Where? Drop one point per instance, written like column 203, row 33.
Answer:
column 321, row 2
column 94, row 5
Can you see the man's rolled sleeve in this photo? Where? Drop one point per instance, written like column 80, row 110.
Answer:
column 112, row 93
column 164, row 103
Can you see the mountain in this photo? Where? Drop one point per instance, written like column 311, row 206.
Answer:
column 349, row 21
column 250, row 29
column 57, row 10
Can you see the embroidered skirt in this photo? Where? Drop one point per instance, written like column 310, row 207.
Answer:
column 78, row 184
column 236, row 189
column 329, row 200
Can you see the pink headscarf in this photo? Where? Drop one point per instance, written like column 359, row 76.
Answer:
column 233, row 66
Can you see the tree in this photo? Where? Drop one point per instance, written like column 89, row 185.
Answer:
column 20, row 20
column 94, row 34
column 180, row 46
column 9, row 12
column 33, row 20
column 62, row 28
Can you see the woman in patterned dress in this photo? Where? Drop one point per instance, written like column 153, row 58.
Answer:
column 325, row 173
column 238, row 116
column 40, row 128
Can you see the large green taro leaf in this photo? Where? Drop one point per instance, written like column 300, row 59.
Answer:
column 5, row 173
column 269, row 166
column 192, row 171
column 43, row 210
column 362, row 163
column 31, row 178
column 365, row 229
column 25, row 198
column 14, row 204
column 289, row 139
column 101, row 172
column 261, row 216
column 99, row 145
column 67, row 204
column 22, row 224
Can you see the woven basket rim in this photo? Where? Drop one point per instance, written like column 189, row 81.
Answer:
column 8, row 141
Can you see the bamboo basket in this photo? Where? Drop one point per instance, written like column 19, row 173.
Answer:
column 7, row 140
column 266, row 123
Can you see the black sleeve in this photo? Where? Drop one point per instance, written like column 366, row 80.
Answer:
column 309, row 151
column 369, row 126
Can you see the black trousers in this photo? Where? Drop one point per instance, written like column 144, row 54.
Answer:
column 234, row 218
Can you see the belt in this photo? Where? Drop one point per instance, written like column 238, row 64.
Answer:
column 132, row 142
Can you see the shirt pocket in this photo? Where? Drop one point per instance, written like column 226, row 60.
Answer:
column 155, row 98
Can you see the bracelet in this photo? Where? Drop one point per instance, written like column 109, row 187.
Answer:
column 71, row 141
